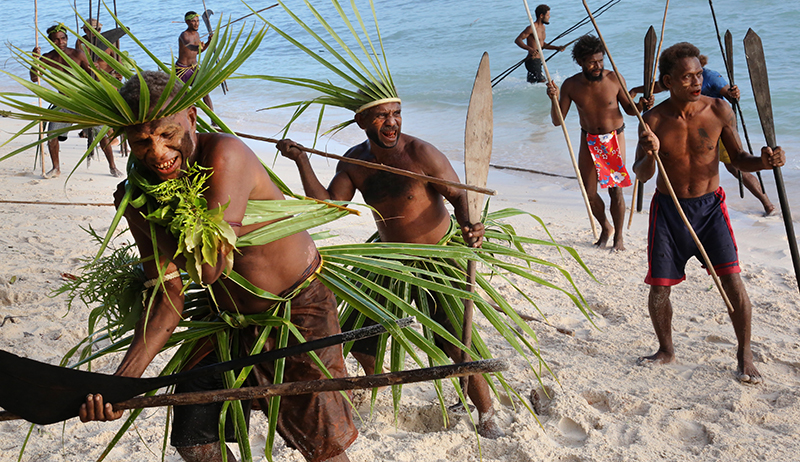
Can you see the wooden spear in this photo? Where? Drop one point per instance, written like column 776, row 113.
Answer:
column 663, row 173
column 38, row 81
column 561, row 121
column 386, row 168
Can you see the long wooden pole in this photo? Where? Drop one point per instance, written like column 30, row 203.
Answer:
column 658, row 52
column 663, row 173
column 373, row 165
column 561, row 121
column 39, row 81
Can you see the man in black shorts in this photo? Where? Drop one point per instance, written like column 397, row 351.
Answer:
column 683, row 131
column 526, row 41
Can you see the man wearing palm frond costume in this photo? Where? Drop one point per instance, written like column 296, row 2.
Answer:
column 319, row 425
column 405, row 210
column 58, row 36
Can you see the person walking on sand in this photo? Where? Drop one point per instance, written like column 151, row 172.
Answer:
column 683, row 130
column 189, row 47
column 526, row 41
column 715, row 86
column 58, row 35
column 601, row 159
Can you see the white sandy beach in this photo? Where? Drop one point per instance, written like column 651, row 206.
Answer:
column 601, row 407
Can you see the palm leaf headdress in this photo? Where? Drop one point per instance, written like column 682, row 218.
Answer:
column 94, row 100
column 370, row 82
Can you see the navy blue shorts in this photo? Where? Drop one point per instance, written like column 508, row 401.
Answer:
column 669, row 244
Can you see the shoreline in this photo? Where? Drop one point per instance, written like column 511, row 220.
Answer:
column 598, row 406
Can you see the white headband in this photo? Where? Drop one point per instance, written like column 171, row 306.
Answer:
column 376, row 103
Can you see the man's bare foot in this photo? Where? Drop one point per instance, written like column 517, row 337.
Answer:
column 604, row 235
column 746, row 372
column 115, row 172
column 488, row 428
column 54, row 173
column 618, row 245
column 769, row 209
column 660, row 357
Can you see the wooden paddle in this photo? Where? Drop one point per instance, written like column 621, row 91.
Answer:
column 376, row 166
column 663, row 171
column 649, row 78
column 561, row 121
column 477, row 155
column 759, row 80
column 45, row 394
column 207, row 20
column 427, row 374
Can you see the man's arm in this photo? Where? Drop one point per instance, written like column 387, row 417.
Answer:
column 740, row 158
column 564, row 101
column 37, row 54
column 341, row 187
column 522, row 40
column 549, row 46
column 435, row 164
column 730, row 92
column 152, row 331
column 642, row 105
column 645, row 165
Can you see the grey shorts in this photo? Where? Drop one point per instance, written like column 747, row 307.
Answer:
column 53, row 126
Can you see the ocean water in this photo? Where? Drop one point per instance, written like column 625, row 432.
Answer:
column 434, row 48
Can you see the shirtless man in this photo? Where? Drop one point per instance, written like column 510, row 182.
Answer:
column 318, row 425
column 597, row 95
column 715, row 86
column 406, row 210
column 91, row 36
column 189, row 47
column 526, row 41
column 684, row 131
column 58, row 35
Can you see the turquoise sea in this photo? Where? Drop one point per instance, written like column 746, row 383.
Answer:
column 434, row 48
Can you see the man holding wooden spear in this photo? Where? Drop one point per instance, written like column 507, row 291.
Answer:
column 525, row 40
column 597, row 95
column 684, row 131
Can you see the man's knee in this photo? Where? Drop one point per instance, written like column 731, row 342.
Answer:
column 210, row 452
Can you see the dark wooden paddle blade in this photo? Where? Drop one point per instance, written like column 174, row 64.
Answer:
column 649, row 61
column 759, row 79
column 44, row 394
column 728, row 38
column 207, row 19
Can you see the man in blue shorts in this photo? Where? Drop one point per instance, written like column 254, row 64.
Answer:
column 683, row 131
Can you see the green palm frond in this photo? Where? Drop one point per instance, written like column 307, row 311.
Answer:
column 361, row 67
column 94, row 99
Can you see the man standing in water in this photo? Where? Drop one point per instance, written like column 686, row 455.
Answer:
column 319, row 425
column 189, row 47
column 58, row 35
column 684, row 131
column 597, row 95
column 526, row 41
column 406, row 210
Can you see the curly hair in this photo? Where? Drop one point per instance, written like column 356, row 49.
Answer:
column 541, row 10
column 586, row 46
column 156, row 82
column 670, row 57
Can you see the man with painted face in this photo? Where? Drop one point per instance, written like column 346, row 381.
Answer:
column 319, row 425
column 526, row 41
column 406, row 209
column 683, row 131
column 597, row 94
column 189, row 47
column 58, row 35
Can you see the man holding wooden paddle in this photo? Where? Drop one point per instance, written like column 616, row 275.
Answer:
column 189, row 47
column 683, row 131
column 405, row 210
column 597, row 95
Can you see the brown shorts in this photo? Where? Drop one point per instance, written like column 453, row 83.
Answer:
column 319, row 425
